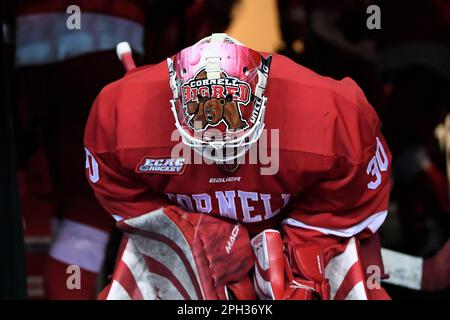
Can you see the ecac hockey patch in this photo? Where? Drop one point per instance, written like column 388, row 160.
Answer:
column 162, row 165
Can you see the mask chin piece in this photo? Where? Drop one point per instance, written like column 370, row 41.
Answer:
column 230, row 168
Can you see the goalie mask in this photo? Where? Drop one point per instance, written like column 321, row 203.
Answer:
column 218, row 96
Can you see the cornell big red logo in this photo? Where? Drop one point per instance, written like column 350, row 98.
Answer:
column 209, row 102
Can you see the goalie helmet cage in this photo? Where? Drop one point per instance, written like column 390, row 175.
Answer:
column 12, row 255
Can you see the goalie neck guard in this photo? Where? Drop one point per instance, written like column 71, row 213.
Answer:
column 218, row 96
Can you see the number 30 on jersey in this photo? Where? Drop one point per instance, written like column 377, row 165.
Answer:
column 379, row 163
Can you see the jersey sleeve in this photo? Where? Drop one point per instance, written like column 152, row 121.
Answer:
column 116, row 187
column 351, row 199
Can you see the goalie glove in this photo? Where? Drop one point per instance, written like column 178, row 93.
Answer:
column 273, row 277
column 171, row 254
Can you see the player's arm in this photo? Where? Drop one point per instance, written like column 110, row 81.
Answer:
column 117, row 188
column 330, row 232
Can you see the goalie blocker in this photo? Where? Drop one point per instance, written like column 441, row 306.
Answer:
column 171, row 254
column 320, row 274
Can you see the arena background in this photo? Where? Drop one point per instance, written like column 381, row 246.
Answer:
column 51, row 74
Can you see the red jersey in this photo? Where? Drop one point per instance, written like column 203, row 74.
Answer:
column 329, row 167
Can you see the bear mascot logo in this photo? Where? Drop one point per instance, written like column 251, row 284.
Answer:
column 209, row 102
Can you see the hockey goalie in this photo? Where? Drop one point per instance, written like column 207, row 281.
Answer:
column 178, row 153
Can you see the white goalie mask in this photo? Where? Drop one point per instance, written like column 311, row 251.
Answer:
column 218, row 96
